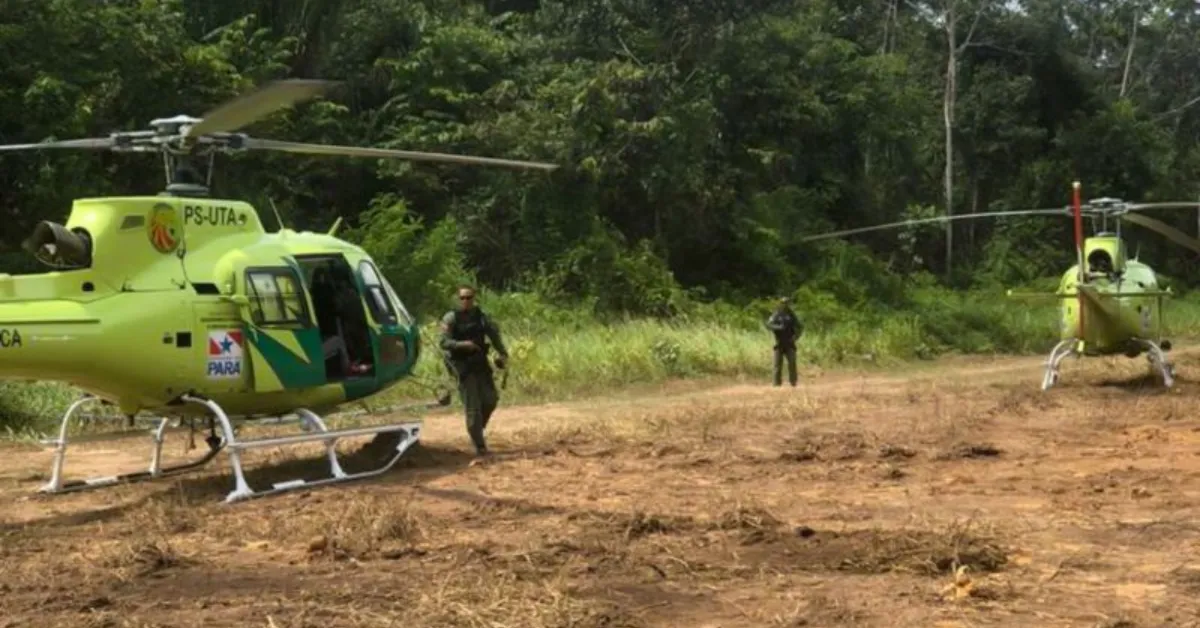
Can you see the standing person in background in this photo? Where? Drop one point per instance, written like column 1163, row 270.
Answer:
column 465, row 332
column 787, row 327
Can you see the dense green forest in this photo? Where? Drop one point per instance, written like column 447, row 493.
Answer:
column 699, row 142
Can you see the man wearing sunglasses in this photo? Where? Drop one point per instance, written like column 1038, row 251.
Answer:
column 465, row 332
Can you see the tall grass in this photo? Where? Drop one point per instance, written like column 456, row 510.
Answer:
column 563, row 351
column 560, row 352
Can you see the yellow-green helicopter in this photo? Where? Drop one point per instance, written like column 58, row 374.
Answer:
column 183, row 306
column 1110, row 304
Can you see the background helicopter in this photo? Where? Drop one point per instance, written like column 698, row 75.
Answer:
column 1110, row 304
column 183, row 305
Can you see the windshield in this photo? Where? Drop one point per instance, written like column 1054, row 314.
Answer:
column 405, row 317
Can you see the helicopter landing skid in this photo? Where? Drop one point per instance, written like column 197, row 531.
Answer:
column 57, row 485
column 1158, row 361
column 408, row 434
column 1061, row 351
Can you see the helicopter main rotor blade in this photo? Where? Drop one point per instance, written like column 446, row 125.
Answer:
column 1164, row 205
column 918, row 221
column 1163, row 228
column 247, row 108
column 356, row 151
column 91, row 142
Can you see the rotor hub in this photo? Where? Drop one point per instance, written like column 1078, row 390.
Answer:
column 1105, row 206
column 173, row 125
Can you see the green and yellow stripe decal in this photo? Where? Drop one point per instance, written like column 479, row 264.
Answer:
column 294, row 358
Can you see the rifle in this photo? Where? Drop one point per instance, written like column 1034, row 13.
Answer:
column 504, row 377
column 454, row 372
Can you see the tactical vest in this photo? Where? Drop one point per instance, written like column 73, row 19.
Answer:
column 471, row 326
column 786, row 337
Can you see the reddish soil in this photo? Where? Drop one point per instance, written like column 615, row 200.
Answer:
column 952, row 496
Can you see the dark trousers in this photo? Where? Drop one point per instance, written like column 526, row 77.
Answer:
column 478, row 391
column 780, row 354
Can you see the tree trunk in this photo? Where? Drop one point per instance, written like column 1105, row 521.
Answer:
column 948, row 99
column 1129, row 54
column 890, row 24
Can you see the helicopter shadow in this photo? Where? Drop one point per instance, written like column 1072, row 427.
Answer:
column 420, row 464
column 1147, row 383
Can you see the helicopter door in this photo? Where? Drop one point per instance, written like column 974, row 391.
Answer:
column 284, row 345
column 342, row 328
column 392, row 328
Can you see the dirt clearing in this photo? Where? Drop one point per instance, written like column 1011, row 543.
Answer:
column 956, row 496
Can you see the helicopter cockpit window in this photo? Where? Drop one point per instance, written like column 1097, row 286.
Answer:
column 1100, row 262
column 276, row 298
column 377, row 299
column 405, row 317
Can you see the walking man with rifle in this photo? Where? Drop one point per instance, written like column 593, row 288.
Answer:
column 464, row 343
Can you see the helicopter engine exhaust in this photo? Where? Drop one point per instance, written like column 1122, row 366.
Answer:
column 54, row 244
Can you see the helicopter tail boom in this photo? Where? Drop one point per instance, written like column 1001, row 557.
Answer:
column 1063, row 295
column 43, row 344
column 1037, row 295
column 1114, row 321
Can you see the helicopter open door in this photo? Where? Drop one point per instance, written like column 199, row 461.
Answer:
column 281, row 342
column 392, row 327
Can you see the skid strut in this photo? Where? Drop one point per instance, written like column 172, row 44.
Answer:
column 1158, row 362
column 408, row 433
column 1061, row 351
column 224, row 436
column 156, row 470
column 1154, row 354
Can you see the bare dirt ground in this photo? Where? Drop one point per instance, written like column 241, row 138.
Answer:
column 953, row 496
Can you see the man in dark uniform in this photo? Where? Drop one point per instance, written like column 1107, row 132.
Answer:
column 465, row 333
column 787, row 327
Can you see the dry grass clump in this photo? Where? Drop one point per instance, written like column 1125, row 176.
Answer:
column 365, row 527
column 572, row 556
column 1022, row 401
column 808, row 445
column 139, row 558
column 969, row 450
column 497, row 597
column 810, row 610
column 745, row 518
column 168, row 516
column 873, row 551
column 641, row 524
